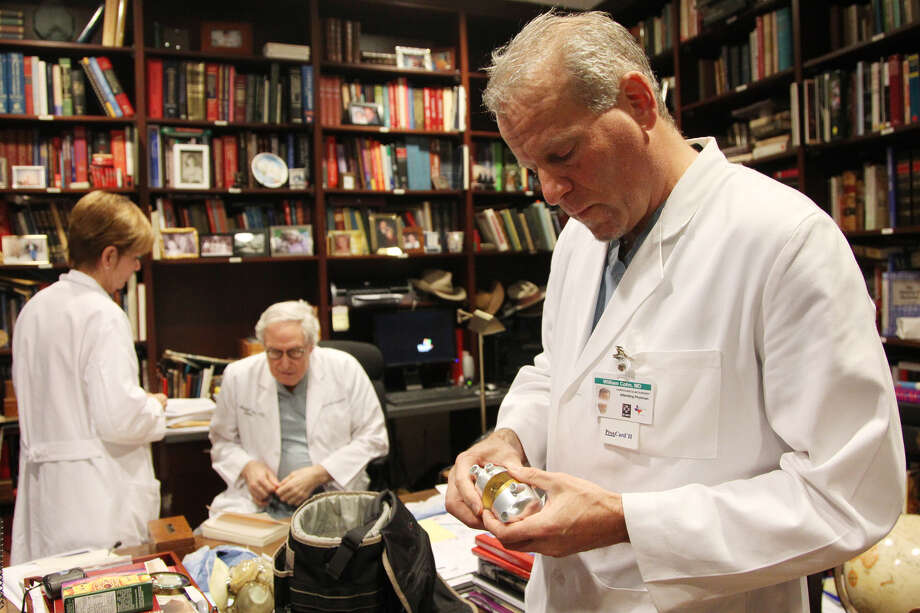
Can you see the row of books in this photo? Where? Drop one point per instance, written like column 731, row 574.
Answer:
column 208, row 91
column 14, row 292
column 30, row 85
column 187, row 375
column 410, row 162
column 854, row 23
column 878, row 195
column 341, row 40
column 496, row 169
column 21, row 216
column 111, row 95
column 440, row 217
column 75, row 157
column 900, row 297
column 532, row 228
column 133, row 299
column 12, row 24
column 501, row 576
column 401, row 106
column 214, row 216
column 229, row 156
column 767, row 51
column 655, row 32
column 872, row 97
column 761, row 129
column 114, row 21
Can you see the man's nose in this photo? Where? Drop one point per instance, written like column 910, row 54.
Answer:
column 554, row 186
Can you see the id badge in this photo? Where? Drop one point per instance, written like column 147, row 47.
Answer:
column 624, row 399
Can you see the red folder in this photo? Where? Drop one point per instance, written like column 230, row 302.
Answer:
column 491, row 544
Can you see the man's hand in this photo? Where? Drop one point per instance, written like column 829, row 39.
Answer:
column 300, row 483
column 261, row 481
column 578, row 516
column 463, row 501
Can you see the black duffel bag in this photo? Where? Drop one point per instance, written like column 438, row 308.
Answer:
column 359, row 551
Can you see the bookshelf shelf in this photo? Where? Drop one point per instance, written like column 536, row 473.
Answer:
column 224, row 58
column 46, row 191
column 225, row 125
column 406, row 192
column 773, row 159
column 65, row 119
column 906, row 132
column 742, row 93
column 731, row 27
column 40, row 47
column 233, row 260
column 485, row 194
column 862, row 236
column 346, row 129
column 233, row 193
column 373, row 256
column 389, row 71
column 879, row 44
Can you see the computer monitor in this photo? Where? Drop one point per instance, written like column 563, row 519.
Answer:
column 410, row 339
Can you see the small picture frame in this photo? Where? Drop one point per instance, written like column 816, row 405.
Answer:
column 442, row 58
column 226, row 37
column 29, row 177
column 191, row 166
column 413, row 240
column 176, row 243
column 342, row 243
column 4, row 174
column 216, row 245
column 455, row 241
column 385, row 231
column 365, row 113
column 433, row 242
column 250, row 243
column 25, row 249
column 297, row 178
column 413, row 57
column 291, row 241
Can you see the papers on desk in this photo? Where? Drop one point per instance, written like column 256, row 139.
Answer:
column 190, row 411
column 451, row 542
column 84, row 558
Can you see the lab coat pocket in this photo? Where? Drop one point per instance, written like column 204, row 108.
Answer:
column 688, row 386
column 334, row 422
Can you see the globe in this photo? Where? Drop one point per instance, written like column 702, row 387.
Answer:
column 886, row 578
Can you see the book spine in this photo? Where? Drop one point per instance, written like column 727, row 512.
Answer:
column 154, row 88
column 97, row 80
column 111, row 79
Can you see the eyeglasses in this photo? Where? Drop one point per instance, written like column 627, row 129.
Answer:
column 294, row 353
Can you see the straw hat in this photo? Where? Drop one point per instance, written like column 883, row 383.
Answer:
column 439, row 283
column 490, row 301
column 524, row 294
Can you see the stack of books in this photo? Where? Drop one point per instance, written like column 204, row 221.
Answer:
column 501, row 577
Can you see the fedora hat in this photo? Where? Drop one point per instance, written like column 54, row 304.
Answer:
column 439, row 283
column 490, row 301
column 525, row 294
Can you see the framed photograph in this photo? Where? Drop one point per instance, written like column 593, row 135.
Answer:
column 297, row 178
column 413, row 240
column 365, row 114
column 442, row 58
column 4, row 174
column 289, row 241
column 250, row 243
column 179, row 243
column 216, row 245
column 413, row 57
column 432, row 242
column 386, row 231
column 25, row 249
column 226, row 37
column 341, row 242
column 455, row 241
column 191, row 166
column 29, row 177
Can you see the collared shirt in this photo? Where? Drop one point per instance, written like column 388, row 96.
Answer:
column 295, row 453
column 616, row 267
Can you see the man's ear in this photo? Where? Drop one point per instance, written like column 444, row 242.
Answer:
column 109, row 257
column 638, row 99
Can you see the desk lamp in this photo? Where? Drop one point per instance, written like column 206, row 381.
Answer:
column 483, row 324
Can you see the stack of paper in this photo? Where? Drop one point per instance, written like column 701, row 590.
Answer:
column 188, row 411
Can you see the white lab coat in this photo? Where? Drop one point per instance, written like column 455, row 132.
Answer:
column 345, row 424
column 85, row 471
column 775, row 449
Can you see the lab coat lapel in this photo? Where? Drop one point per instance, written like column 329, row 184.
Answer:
column 315, row 388
column 267, row 399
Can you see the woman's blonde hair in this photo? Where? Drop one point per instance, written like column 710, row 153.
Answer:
column 100, row 219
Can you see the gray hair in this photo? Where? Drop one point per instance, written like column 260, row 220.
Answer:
column 299, row 311
column 595, row 50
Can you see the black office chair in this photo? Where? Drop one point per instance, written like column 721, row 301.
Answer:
column 382, row 471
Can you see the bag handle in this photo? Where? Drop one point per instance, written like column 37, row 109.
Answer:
column 353, row 538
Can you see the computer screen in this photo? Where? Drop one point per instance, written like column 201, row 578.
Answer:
column 415, row 337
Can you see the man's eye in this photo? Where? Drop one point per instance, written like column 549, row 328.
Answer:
column 561, row 157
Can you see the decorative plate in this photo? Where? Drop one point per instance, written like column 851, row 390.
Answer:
column 269, row 169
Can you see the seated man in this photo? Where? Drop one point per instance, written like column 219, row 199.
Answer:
column 293, row 420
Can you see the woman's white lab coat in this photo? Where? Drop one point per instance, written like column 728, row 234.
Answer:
column 85, row 471
column 774, row 448
column 345, row 425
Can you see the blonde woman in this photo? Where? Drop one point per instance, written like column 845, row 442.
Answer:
column 85, row 471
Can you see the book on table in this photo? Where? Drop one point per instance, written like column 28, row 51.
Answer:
column 255, row 529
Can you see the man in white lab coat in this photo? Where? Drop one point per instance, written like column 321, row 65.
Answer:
column 752, row 435
column 293, row 420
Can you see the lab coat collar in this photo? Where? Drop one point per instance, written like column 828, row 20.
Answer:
column 81, row 278
column 646, row 270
